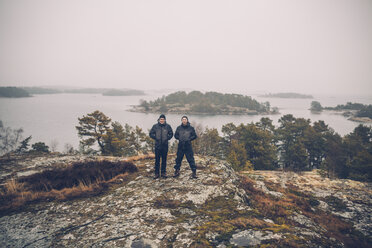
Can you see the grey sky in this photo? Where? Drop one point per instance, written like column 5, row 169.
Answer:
column 236, row 46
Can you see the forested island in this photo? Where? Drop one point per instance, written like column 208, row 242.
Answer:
column 288, row 95
column 41, row 90
column 13, row 92
column 355, row 111
column 197, row 102
column 29, row 91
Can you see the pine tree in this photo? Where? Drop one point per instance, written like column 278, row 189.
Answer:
column 24, row 145
column 92, row 128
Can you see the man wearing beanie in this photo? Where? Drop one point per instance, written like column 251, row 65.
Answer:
column 161, row 132
column 185, row 133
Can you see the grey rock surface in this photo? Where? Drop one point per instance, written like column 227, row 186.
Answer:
column 183, row 212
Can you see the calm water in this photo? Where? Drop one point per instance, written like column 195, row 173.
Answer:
column 54, row 117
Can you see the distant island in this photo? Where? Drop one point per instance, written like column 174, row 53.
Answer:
column 287, row 95
column 197, row 102
column 13, row 92
column 29, row 91
column 355, row 111
column 115, row 92
column 41, row 90
column 106, row 91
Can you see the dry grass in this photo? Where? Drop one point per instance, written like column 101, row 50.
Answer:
column 141, row 157
column 92, row 172
column 77, row 180
column 12, row 187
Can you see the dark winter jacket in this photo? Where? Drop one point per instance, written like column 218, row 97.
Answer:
column 185, row 134
column 161, row 133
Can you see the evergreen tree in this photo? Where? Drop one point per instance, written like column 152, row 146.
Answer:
column 139, row 140
column 237, row 157
column 266, row 124
column 24, row 145
column 315, row 143
column 359, row 153
column 92, row 128
column 292, row 149
column 210, row 143
column 229, row 131
column 40, row 147
column 334, row 163
column 259, row 146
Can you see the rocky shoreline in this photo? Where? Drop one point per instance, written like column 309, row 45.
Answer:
column 361, row 119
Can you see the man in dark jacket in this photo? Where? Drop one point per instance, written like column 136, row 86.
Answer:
column 161, row 133
column 185, row 133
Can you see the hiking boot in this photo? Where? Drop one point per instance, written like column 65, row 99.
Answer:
column 193, row 175
column 156, row 176
column 176, row 173
column 164, row 175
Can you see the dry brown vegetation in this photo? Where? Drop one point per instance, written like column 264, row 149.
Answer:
column 76, row 180
column 295, row 201
column 141, row 157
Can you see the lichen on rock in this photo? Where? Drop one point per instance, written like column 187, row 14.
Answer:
column 221, row 208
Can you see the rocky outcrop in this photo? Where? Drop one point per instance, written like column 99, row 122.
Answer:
column 361, row 119
column 348, row 199
column 219, row 209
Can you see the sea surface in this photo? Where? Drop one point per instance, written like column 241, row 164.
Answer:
column 52, row 118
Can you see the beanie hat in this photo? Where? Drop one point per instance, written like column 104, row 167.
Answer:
column 185, row 117
column 162, row 116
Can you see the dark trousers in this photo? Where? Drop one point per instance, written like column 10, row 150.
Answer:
column 161, row 152
column 189, row 156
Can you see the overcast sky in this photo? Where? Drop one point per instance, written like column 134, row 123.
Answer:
column 305, row 46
